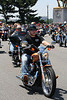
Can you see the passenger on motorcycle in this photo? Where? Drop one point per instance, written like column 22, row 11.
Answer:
column 32, row 38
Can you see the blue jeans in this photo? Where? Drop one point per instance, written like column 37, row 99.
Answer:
column 11, row 47
column 25, row 64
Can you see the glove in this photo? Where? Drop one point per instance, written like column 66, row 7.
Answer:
column 51, row 46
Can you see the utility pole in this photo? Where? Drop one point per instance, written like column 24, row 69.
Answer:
column 47, row 15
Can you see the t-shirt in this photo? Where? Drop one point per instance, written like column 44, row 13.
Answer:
column 37, row 40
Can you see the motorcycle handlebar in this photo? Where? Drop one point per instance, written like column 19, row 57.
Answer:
column 30, row 46
column 50, row 46
column 33, row 46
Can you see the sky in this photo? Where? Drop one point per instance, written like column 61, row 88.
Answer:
column 41, row 7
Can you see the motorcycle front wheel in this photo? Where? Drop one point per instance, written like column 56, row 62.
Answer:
column 60, row 43
column 65, row 43
column 49, row 85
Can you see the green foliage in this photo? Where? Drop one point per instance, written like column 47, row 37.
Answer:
column 23, row 6
column 6, row 8
column 25, row 11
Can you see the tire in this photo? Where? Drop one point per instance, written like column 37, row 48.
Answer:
column 60, row 43
column 2, row 39
column 48, row 88
column 56, row 39
column 5, row 38
column 53, row 37
column 65, row 43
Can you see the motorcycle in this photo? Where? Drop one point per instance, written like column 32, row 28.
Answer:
column 54, row 36
column 65, row 40
column 0, row 33
column 40, row 70
column 57, row 37
column 61, row 38
column 16, row 57
column 0, row 44
column 15, row 49
column 4, row 35
column 42, row 32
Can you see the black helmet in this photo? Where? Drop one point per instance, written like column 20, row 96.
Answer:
column 32, row 27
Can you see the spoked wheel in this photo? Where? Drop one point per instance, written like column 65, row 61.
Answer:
column 49, row 85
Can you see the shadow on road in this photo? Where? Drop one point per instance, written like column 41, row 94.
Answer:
column 38, row 90
column 59, row 94
column 54, row 42
column 33, row 90
column 2, row 52
column 63, row 46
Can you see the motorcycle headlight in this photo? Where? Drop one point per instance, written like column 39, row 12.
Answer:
column 23, row 43
column 64, row 34
column 35, row 57
column 45, row 56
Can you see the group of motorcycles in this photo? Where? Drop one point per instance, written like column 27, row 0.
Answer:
column 40, row 69
column 4, row 34
column 60, row 37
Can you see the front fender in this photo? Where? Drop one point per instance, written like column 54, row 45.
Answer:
column 48, row 65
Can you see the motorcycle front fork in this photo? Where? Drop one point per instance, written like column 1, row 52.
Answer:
column 42, row 69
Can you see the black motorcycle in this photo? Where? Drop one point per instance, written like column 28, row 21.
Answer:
column 54, row 36
column 0, row 33
column 4, row 35
column 65, row 40
column 42, row 32
column 0, row 44
column 17, row 49
column 61, row 38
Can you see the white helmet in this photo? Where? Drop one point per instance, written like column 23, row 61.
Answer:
column 65, row 22
column 18, row 26
column 33, row 23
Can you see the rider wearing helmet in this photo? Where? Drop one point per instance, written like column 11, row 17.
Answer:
column 13, row 38
column 32, row 38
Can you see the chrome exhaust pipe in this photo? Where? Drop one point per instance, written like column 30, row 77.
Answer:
column 32, row 79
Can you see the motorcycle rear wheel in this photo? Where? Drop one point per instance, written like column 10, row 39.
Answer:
column 49, row 85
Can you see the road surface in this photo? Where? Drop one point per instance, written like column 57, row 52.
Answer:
column 12, row 88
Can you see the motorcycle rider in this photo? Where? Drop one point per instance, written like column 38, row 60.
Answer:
column 32, row 38
column 18, row 32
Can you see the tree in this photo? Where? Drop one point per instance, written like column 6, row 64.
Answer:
column 64, row 2
column 23, row 6
column 6, row 9
column 24, row 9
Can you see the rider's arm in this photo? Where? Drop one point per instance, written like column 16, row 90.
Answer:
column 45, row 43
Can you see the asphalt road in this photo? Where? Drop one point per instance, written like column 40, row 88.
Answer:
column 12, row 88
